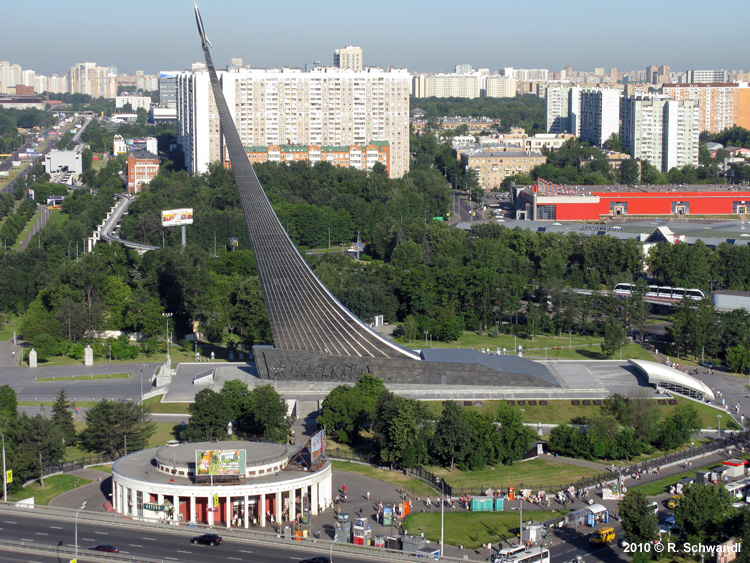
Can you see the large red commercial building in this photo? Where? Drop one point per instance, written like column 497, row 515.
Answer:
column 544, row 201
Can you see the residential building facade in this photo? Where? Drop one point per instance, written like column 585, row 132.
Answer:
column 324, row 107
column 662, row 131
column 492, row 167
column 142, row 167
column 600, row 115
column 95, row 81
column 355, row 156
column 350, row 57
column 721, row 105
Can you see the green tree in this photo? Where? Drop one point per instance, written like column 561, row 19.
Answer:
column 38, row 443
column 678, row 427
column 340, row 414
column 237, row 398
column 614, row 340
column 639, row 522
column 269, row 419
column 114, row 428
column 703, row 511
column 514, row 439
column 209, row 416
column 62, row 416
column 738, row 358
column 399, row 431
column 452, row 435
column 8, row 406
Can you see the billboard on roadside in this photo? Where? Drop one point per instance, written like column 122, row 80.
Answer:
column 219, row 462
column 316, row 446
column 176, row 217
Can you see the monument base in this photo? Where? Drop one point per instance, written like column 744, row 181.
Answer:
column 294, row 365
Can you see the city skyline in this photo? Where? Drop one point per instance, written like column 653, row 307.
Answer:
column 422, row 37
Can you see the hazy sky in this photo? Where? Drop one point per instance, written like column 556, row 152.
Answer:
column 421, row 35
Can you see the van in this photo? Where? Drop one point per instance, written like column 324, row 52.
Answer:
column 602, row 536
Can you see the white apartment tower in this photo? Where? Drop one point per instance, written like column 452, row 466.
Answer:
column 87, row 78
column 349, row 57
column 663, row 131
column 563, row 113
column 325, row 107
column 600, row 115
column 500, row 87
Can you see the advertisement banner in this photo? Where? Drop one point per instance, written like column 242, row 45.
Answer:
column 316, row 446
column 176, row 217
column 219, row 462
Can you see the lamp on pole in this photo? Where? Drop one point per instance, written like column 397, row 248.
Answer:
column 142, row 366
column 425, row 338
column 718, row 416
column 442, row 513
column 5, row 474
column 83, row 505
column 167, row 316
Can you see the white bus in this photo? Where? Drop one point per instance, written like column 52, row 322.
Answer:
column 531, row 555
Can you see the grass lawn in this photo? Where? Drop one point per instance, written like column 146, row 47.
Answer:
column 583, row 347
column 53, row 486
column 547, row 474
column 415, row 487
column 103, row 468
column 79, row 377
column 560, row 411
column 26, row 229
column 470, row 529
column 41, row 404
column 11, row 323
column 177, row 353
column 154, row 405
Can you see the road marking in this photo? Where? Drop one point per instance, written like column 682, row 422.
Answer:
column 10, row 521
column 150, row 539
column 134, row 545
column 41, row 533
column 102, row 533
column 88, row 539
column 244, row 551
column 171, row 558
column 181, row 551
column 56, row 527
column 26, row 539
column 237, row 558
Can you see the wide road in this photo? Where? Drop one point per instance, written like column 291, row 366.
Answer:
column 153, row 542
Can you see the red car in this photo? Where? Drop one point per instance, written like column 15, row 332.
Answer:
column 105, row 547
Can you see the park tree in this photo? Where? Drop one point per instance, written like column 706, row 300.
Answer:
column 236, row 397
column 678, row 427
column 629, row 172
column 738, row 358
column 703, row 511
column 452, row 435
column 115, row 428
column 38, row 443
column 269, row 420
column 8, row 406
column 640, row 523
column 614, row 340
column 399, row 430
column 341, row 414
column 209, row 417
column 62, row 416
column 514, row 439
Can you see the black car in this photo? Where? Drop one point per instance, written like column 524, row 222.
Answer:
column 207, row 539
column 105, row 547
column 317, row 559
column 708, row 365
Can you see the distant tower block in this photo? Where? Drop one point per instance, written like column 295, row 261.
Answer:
column 303, row 314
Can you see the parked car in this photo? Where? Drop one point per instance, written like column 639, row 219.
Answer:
column 207, row 539
column 316, row 559
column 105, row 547
column 708, row 365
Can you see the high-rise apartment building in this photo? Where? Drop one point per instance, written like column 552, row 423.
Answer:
column 658, row 74
column 350, row 57
column 168, row 88
column 722, row 105
column 448, row 85
column 87, row 78
column 705, row 76
column 600, row 114
column 324, row 107
column 662, row 131
column 496, row 86
column 563, row 113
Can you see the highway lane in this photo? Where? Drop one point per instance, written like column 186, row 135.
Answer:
column 156, row 542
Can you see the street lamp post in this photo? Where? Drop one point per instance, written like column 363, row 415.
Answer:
column 167, row 316
column 718, row 416
column 142, row 366
column 83, row 505
column 442, row 513
column 5, row 474
column 425, row 338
